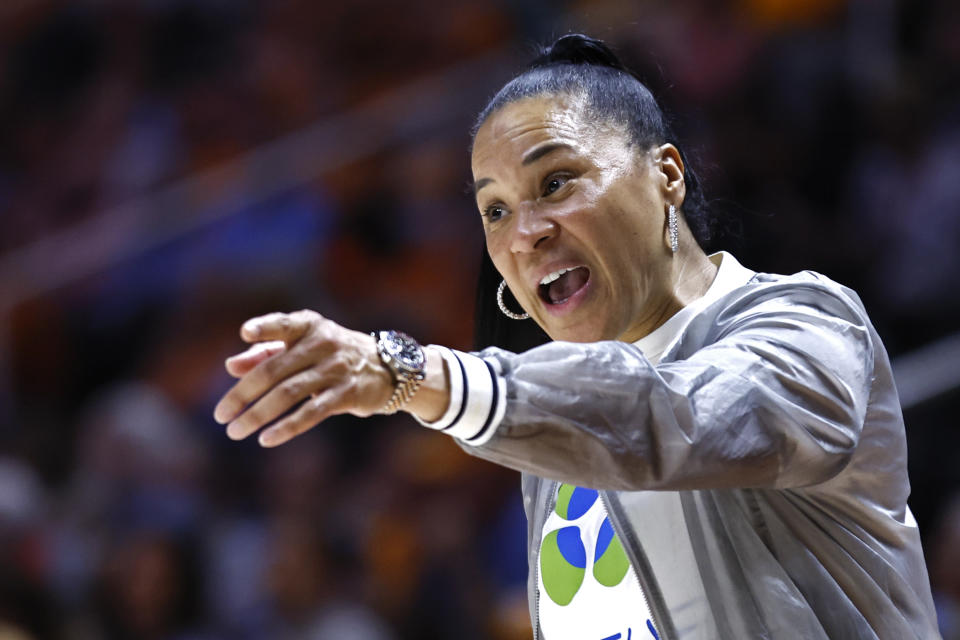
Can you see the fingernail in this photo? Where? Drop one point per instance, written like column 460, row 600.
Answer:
column 221, row 415
column 267, row 439
column 235, row 431
column 252, row 327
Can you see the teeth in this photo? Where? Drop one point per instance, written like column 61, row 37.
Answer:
column 547, row 279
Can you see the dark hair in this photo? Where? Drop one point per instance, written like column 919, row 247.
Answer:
column 579, row 65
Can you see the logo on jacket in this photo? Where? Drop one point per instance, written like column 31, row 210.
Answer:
column 585, row 591
column 563, row 556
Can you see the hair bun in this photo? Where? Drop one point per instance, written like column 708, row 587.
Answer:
column 576, row 48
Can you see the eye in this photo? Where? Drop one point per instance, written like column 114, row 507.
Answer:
column 554, row 182
column 494, row 212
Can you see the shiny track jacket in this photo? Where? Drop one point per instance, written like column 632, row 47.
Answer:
column 756, row 476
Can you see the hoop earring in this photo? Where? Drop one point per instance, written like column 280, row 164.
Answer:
column 674, row 230
column 503, row 307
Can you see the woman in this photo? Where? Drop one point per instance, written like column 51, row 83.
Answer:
column 707, row 452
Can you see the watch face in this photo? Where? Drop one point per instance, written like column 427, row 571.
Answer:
column 404, row 349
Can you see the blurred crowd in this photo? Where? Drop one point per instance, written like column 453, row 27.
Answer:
column 828, row 135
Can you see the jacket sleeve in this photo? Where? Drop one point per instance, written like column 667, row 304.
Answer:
column 768, row 389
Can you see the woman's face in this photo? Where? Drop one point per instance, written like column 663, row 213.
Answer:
column 561, row 194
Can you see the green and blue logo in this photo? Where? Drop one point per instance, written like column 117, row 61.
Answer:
column 563, row 556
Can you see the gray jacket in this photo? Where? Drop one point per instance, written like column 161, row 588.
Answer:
column 756, row 476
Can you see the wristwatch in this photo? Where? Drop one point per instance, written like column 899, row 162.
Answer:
column 405, row 359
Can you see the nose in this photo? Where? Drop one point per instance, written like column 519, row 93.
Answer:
column 531, row 228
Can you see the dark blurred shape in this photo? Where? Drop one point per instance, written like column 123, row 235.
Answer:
column 944, row 561
column 150, row 588
column 27, row 609
column 50, row 68
column 190, row 42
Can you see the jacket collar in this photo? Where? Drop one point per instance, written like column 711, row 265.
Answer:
column 730, row 275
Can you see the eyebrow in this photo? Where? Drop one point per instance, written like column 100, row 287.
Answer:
column 539, row 152
column 480, row 184
column 528, row 159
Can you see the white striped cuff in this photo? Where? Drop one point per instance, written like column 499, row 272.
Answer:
column 478, row 398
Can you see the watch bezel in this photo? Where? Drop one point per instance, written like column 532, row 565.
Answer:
column 402, row 353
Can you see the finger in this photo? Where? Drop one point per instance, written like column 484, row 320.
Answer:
column 288, row 327
column 274, row 404
column 309, row 415
column 241, row 364
column 267, row 375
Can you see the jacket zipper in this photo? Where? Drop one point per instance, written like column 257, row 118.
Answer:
column 650, row 590
column 551, row 500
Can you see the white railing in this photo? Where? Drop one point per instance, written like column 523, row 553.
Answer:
column 929, row 371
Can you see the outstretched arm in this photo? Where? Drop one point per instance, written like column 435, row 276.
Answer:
column 774, row 394
column 304, row 359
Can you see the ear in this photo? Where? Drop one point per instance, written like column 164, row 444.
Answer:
column 670, row 166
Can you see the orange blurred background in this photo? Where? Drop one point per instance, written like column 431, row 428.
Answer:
column 169, row 168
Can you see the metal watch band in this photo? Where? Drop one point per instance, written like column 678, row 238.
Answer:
column 406, row 368
column 402, row 393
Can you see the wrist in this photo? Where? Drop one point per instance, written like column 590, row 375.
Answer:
column 433, row 396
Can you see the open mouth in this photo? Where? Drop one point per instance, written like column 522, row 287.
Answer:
column 559, row 286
